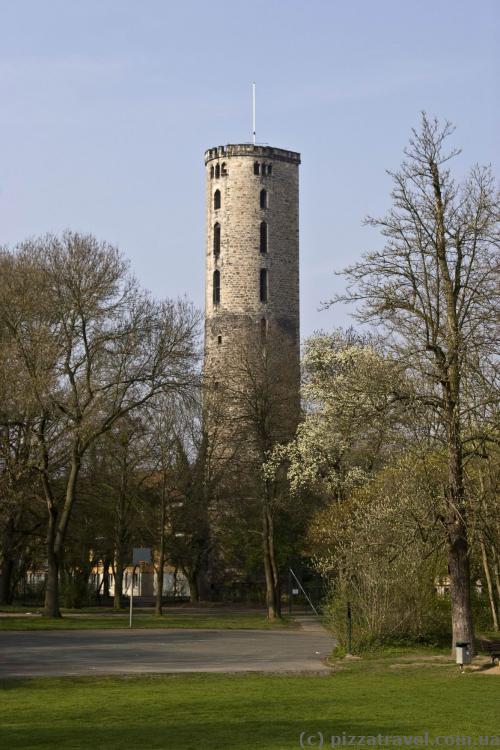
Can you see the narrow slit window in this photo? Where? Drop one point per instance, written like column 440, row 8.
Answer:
column 256, row 167
column 263, row 237
column 217, row 240
column 217, row 170
column 217, row 199
column 263, row 198
column 212, row 172
column 219, row 339
column 263, row 285
column 223, row 169
column 216, row 286
column 269, row 169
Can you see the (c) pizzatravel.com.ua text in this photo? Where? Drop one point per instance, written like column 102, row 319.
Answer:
column 325, row 739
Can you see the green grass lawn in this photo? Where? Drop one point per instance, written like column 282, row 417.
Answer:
column 251, row 712
column 181, row 620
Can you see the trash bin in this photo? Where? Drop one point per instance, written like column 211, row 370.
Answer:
column 463, row 653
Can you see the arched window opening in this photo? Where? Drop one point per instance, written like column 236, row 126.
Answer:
column 217, row 240
column 216, row 287
column 217, row 170
column 263, row 237
column 256, row 167
column 217, row 199
column 263, row 285
column 223, row 169
column 212, row 172
column 269, row 169
column 263, row 198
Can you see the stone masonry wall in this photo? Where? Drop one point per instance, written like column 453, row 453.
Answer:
column 240, row 313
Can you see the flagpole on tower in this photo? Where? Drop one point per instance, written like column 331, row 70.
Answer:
column 253, row 111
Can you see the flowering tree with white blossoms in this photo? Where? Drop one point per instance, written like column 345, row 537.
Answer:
column 349, row 425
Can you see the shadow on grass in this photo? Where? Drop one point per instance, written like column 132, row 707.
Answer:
column 141, row 621
column 242, row 732
column 15, row 683
column 250, row 712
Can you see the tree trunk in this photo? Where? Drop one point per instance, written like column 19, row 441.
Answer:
column 122, row 537
column 174, row 582
column 118, row 575
column 159, row 585
column 51, row 605
column 496, row 571
column 6, row 592
column 458, row 549
column 489, row 583
column 160, row 575
column 274, row 566
column 56, row 534
column 106, row 579
column 460, row 588
column 8, row 559
column 194, row 594
column 161, row 551
column 272, row 603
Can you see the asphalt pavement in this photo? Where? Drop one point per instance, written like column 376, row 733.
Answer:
column 108, row 652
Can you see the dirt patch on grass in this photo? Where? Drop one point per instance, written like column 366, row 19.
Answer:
column 419, row 665
column 425, row 658
column 487, row 669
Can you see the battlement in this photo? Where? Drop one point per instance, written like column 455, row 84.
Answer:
column 253, row 151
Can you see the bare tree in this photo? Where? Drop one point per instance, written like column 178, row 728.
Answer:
column 21, row 509
column 93, row 348
column 164, row 415
column 434, row 288
column 122, row 475
column 21, row 505
column 261, row 398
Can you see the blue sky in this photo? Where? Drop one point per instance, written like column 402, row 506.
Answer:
column 107, row 107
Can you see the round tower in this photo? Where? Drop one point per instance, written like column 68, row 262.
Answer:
column 252, row 257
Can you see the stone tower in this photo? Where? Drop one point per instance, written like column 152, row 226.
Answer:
column 252, row 258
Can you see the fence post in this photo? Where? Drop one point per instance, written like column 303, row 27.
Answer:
column 349, row 629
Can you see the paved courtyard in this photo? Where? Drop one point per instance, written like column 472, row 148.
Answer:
column 107, row 652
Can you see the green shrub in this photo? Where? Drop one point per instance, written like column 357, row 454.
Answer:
column 75, row 591
column 400, row 612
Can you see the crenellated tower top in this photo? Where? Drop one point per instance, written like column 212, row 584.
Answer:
column 249, row 149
